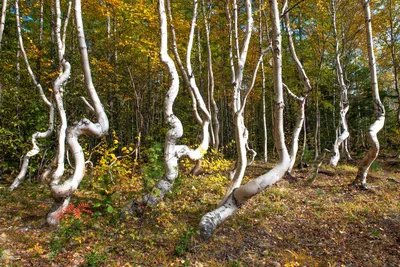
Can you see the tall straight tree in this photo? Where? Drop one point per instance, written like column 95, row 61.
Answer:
column 241, row 194
column 3, row 19
column 379, row 109
column 216, row 125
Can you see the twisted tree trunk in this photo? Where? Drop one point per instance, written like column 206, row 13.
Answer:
column 344, row 102
column 379, row 109
column 62, row 192
column 35, row 150
column 240, row 195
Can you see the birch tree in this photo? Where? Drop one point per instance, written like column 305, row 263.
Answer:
column 35, row 150
column 306, row 90
column 240, row 195
column 344, row 102
column 216, row 126
column 3, row 19
column 239, row 104
column 379, row 109
column 172, row 151
column 62, row 192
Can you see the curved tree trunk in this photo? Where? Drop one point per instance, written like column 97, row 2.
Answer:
column 173, row 152
column 240, row 195
column 62, row 192
column 300, row 122
column 365, row 164
column 35, row 150
column 59, row 91
column 344, row 102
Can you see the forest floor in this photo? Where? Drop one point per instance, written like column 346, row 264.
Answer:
column 323, row 223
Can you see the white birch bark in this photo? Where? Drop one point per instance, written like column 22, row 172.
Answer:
column 62, row 192
column 379, row 109
column 263, row 91
column 173, row 152
column 35, row 150
column 241, row 135
column 239, row 196
column 344, row 102
column 64, row 66
column 301, row 100
column 3, row 19
column 297, row 128
column 196, row 114
column 216, row 124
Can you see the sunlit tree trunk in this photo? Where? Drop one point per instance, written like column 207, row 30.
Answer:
column 379, row 109
column 216, row 125
column 300, row 122
column 172, row 151
column 3, row 19
column 35, row 150
column 264, row 113
column 241, row 133
column 344, row 102
column 62, row 192
column 240, row 195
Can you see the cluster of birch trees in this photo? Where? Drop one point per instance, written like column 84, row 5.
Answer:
column 254, row 65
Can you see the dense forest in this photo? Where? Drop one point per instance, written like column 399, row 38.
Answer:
column 146, row 124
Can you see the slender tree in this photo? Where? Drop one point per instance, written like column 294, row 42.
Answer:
column 344, row 102
column 379, row 109
column 241, row 194
column 306, row 90
column 3, row 19
column 35, row 150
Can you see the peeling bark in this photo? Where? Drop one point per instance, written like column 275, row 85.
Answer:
column 379, row 109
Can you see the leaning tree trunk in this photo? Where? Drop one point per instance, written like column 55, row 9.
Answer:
column 240, row 195
column 35, row 150
column 297, row 129
column 344, row 102
column 62, row 192
column 379, row 109
column 3, row 19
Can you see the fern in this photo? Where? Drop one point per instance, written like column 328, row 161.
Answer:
column 76, row 211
